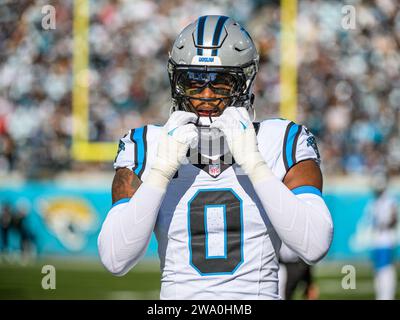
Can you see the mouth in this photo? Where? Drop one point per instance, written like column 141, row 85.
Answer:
column 207, row 113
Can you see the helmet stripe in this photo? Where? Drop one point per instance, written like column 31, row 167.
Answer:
column 217, row 33
column 200, row 34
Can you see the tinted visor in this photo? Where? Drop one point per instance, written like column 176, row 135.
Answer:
column 192, row 83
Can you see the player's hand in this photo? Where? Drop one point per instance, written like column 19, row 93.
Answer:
column 177, row 135
column 240, row 135
column 181, row 128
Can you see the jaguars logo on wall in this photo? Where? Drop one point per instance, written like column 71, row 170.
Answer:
column 70, row 220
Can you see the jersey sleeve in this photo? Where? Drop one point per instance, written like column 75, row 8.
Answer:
column 132, row 151
column 283, row 143
column 299, row 144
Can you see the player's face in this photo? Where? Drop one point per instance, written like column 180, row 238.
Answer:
column 209, row 93
column 215, row 103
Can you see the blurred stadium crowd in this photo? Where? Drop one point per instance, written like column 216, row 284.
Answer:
column 348, row 80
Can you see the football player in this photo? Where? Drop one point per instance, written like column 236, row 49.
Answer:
column 382, row 212
column 220, row 192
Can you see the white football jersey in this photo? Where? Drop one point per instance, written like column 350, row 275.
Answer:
column 215, row 240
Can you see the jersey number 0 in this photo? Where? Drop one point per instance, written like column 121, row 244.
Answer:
column 215, row 231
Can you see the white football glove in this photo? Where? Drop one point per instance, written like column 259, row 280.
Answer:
column 241, row 137
column 174, row 141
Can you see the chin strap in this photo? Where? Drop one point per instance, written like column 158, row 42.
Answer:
column 254, row 113
column 172, row 108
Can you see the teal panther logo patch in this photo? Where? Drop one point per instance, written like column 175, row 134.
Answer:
column 311, row 142
column 121, row 147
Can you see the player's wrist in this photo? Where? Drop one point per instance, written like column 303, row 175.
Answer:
column 260, row 172
column 247, row 155
column 159, row 178
column 255, row 167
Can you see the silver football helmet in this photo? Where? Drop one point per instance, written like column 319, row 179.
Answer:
column 213, row 52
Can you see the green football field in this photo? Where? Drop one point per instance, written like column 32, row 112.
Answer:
column 88, row 280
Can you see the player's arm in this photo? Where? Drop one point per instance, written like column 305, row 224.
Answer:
column 307, row 175
column 304, row 173
column 126, row 231
column 299, row 216
column 124, row 185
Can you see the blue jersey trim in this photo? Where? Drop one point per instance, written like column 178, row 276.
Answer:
column 307, row 189
column 120, row 201
column 140, row 147
column 290, row 145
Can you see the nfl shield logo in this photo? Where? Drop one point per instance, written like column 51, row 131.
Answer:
column 214, row 169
